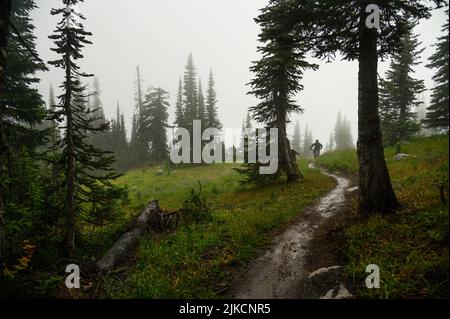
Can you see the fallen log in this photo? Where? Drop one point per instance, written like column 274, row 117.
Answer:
column 149, row 217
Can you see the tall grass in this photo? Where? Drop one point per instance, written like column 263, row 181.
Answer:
column 340, row 160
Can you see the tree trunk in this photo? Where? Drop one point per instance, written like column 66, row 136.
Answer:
column 5, row 11
column 69, row 238
column 289, row 165
column 151, row 217
column 375, row 189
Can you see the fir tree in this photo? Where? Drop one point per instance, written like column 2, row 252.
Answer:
column 54, row 134
column 296, row 138
column 190, row 94
column 141, row 139
column 84, row 184
column 212, row 118
column 277, row 78
column 156, row 119
column 99, row 139
column 437, row 116
column 247, row 141
column 348, row 134
column 119, row 140
column 25, row 106
column 330, row 145
column 399, row 92
column 179, row 113
column 342, row 133
column 133, row 140
column 201, row 111
column 21, row 106
column 307, row 142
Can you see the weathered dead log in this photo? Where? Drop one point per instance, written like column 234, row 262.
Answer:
column 128, row 241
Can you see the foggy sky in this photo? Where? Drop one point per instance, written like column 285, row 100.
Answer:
column 158, row 35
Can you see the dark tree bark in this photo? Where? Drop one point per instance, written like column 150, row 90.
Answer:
column 69, row 238
column 290, row 166
column 375, row 189
column 5, row 11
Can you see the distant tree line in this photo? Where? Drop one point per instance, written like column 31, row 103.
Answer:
column 340, row 138
column 149, row 142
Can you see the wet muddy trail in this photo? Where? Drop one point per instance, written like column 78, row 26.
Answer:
column 290, row 268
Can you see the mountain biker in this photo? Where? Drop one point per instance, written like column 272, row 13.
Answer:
column 316, row 148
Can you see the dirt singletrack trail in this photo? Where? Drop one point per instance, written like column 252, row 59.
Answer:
column 286, row 270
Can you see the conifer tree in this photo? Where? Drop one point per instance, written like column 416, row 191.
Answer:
column 342, row 133
column 54, row 134
column 179, row 112
column 190, row 93
column 330, row 145
column 399, row 92
column 99, row 139
column 133, row 141
column 307, row 142
column 437, row 116
column 247, row 140
column 119, row 143
column 296, row 138
column 25, row 107
column 211, row 105
column 277, row 78
column 21, row 106
column 348, row 134
column 141, row 139
column 201, row 111
column 156, row 120
column 87, row 170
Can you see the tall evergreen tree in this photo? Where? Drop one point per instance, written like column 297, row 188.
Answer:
column 437, row 112
column 348, row 134
column 277, row 78
column 21, row 106
column 330, row 145
column 133, row 140
column 141, row 143
column 342, row 133
column 156, row 119
column 54, row 135
column 190, row 93
column 5, row 11
column 99, row 139
column 211, row 105
column 118, row 136
column 247, row 141
column 399, row 92
column 338, row 132
column 201, row 111
column 179, row 112
column 307, row 142
column 25, row 106
column 296, row 138
column 79, row 159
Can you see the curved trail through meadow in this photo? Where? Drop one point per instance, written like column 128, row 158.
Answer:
column 281, row 271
